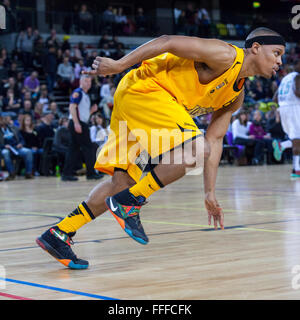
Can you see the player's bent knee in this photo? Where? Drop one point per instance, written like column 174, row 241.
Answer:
column 122, row 180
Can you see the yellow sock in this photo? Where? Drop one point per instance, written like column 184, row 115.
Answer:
column 148, row 185
column 75, row 220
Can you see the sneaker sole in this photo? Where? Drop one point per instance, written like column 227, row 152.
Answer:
column 66, row 262
column 294, row 175
column 122, row 224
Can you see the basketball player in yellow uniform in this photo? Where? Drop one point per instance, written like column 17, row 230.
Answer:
column 180, row 77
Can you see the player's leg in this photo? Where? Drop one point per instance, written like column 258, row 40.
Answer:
column 57, row 240
column 296, row 158
column 125, row 205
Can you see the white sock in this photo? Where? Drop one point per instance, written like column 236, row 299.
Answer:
column 286, row 144
column 296, row 164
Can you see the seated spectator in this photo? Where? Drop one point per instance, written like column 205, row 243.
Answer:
column 274, row 126
column 105, row 52
column 12, row 71
column 240, row 133
column 12, row 145
column 104, row 40
column 56, row 113
column 79, row 67
column 45, row 128
column 11, row 103
column 91, row 57
column 44, row 99
column 5, row 57
column 65, row 73
column 98, row 132
column 12, row 84
column 257, row 131
column 32, row 84
column 66, row 44
column 119, row 52
column 61, row 142
column 31, row 141
column 27, row 108
column 85, row 20
column 107, row 103
column 80, row 52
column 3, row 72
column 259, row 91
column 38, row 112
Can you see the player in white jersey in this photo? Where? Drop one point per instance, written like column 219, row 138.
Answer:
column 288, row 97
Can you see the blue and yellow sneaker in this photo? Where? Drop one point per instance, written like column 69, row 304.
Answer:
column 58, row 244
column 128, row 217
column 277, row 151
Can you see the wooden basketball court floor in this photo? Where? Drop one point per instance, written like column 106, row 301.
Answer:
column 253, row 258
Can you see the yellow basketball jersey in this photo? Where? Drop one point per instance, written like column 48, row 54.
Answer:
column 179, row 78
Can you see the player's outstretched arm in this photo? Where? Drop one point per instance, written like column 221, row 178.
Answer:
column 214, row 136
column 217, row 54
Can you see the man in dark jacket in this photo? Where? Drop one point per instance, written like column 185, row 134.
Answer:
column 11, row 144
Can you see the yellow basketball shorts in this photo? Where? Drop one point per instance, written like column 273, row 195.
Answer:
column 144, row 126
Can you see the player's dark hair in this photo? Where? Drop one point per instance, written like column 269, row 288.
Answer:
column 262, row 31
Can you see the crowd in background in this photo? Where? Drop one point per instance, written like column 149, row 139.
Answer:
column 30, row 114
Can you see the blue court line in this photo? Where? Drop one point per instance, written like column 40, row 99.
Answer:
column 80, row 293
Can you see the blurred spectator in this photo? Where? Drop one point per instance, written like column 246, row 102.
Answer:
column 80, row 52
column 191, row 27
column 11, row 84
column 5, row 57
column 3, row 72
column 105, row 52
column 140, row 21
column 91, row 57
column 79, row 67
column 25, row 43
column 274, row 126
column 107, row 102
column 85, row 20
column 98, row 132
column 55, row 111
column 45, row 128
column 27, row 107
column 12, row 146
column 66, row 44
column 38, row 111
column 50, row 68
column 65, row 73
column 121, row 21
column 32, row 84
column 12, row 71
column 31, row 141
column 61, row 142
column 261, row 137
column 52, row 41
column 44, row 99
column 104, row 40
column 11, row 103
column 108, row 18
